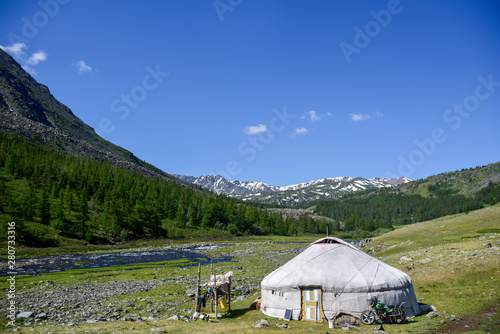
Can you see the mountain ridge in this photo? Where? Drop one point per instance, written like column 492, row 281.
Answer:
column 290, row 194
column 29, row 110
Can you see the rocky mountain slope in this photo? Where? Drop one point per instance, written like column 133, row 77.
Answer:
column 29, row 110
column 291, row 194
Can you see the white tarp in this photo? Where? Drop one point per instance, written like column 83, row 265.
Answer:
column 347, row 277
column 219, row 280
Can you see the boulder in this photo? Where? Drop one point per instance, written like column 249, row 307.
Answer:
column 432, row 315
column 24, row 315
column 262, row 323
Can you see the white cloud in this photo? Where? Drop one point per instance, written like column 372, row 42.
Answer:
column 82, row 67
column 359, row 117
column 299, row 131
column 27, row 63
column 313, row 116
column 14, row 49
column 255, row 129
column 37, row 57
column 364, row 117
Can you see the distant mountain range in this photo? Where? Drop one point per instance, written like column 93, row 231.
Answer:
column 327, row 188
column 28, row 110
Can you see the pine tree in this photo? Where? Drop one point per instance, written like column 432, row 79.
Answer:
column 44, row 207
column 83, row 210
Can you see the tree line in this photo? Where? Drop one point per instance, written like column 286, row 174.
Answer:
column 51, row 193
column 78, row 197
column 385, row 207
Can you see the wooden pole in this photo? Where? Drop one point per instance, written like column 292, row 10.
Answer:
column 229, row 295
column 197, row 304
column 211, row 275
column 215, row 292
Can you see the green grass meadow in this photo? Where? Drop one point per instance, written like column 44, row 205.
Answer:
column 449, row 260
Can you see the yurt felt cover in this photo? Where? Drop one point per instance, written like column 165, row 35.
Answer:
column 347, row 277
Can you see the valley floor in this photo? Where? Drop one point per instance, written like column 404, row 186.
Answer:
column 454, row 263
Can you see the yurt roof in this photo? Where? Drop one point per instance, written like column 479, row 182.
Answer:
column 335, row 265
column 332, row 240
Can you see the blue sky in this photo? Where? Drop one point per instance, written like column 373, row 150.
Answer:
column 275, row 91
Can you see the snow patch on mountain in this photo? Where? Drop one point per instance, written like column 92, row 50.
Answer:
column 292, row 194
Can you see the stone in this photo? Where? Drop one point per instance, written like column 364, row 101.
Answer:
column 174, row 317
column 159, row 330
column 432, row 315
column 42, row 315
column 24, row 315
column 262, row 323
column 191, row 292
column 405, row 259
column 425, row 261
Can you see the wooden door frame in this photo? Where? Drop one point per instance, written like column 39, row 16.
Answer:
column 320, row 304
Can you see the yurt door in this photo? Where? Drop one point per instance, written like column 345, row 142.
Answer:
column 311, row 307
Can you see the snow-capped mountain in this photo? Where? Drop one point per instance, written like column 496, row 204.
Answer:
column 291, row 194
column 220, row 185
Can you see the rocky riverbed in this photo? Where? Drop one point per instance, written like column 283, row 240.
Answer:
column 145, row 294
column 57, row 263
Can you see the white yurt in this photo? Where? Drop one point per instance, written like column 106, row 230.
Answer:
column 332, row 277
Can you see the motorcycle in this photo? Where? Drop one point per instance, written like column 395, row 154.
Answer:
column 383, row 313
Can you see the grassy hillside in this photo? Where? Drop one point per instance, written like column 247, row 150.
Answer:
column 417, row 201
column 467, row 181
column 446, row 258
column 454, row 262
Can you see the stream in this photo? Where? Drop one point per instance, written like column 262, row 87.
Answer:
column 57, row 263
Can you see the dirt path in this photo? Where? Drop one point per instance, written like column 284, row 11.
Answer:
column 487, row 321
